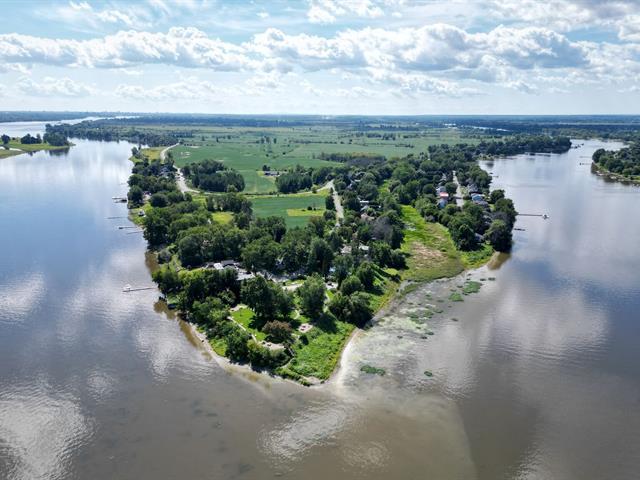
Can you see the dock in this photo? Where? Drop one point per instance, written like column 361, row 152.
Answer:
column 128, row 288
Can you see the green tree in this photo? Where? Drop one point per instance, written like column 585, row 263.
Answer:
column 329, row 204
column 266, row 298
column 342, row 266
column 261, row 254
column 135, row 195
column 237, row 348
column 312, row 293
column 367, row 275
column 352, row 308
column 461, row 229
column 320, row 256
column 5, row 139
column 496, row 195
column 278, row 331
column 499, row 235
column 350, row 285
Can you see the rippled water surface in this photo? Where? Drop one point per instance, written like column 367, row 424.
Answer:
column 535, row 376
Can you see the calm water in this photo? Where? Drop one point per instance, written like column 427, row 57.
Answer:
column 538, row 378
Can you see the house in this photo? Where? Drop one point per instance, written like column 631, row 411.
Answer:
column 476, row 197
column 440, row 189
column 443, row 195
column 442, row 203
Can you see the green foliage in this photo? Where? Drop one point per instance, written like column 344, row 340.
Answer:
column 266, row 298
column 277, row 331
column 350, row 285
column 312, row 294
column 367, row 275
column 373, row 370
column 320, row 256
column 499, row 235
column 354, row 308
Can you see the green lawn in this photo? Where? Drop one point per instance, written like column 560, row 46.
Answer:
column 244, row 316
column 319, row 358
column 222, row 217
column 19, row 148
column 292, row 207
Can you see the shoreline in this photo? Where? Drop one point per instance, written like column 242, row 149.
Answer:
column 614, row 177
column 399, row 292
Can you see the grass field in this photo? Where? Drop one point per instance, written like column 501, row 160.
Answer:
column 432, row 251
column 244, row 316
column 292, row 207
column 319, row 358
column 246, row 149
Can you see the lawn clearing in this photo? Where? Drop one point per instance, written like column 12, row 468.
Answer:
column 293, row 208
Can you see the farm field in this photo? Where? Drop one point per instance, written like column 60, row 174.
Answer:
column 249, row 149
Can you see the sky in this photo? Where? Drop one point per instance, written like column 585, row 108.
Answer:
column 330, row 57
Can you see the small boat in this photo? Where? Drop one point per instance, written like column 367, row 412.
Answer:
column 545, row 216
column 126, row 288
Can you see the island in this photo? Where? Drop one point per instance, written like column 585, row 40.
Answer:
column 278, row 242
column 27, row 144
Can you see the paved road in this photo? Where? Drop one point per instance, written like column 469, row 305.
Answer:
column 459, row 199
column 336, row 201
column 182, row 184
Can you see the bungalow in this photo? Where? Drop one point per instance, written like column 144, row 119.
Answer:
column 476, row 196
column 443, row 195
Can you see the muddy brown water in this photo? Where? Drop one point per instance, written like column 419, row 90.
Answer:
column 537, row 376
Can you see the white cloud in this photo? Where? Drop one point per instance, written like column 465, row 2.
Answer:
column 326, row 11
column 84, row 13
column 50, row 87
column 440, row 59
column 188, row 89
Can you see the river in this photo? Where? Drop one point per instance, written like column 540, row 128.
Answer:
column 537, row 376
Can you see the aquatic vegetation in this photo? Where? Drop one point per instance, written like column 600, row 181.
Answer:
column 456, row 297
column 372, row 370
column 471, row 287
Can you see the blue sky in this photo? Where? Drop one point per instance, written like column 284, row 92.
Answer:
column 322, row 56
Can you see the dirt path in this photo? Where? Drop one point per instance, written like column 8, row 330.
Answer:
column 182, row 184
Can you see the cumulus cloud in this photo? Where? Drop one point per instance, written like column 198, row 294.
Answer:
column 567, row 15
column 50, row 86
column 326, row 11
column 189, row 89
column 434, row 58
column 83, row 12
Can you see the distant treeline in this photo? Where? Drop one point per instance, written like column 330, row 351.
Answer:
column 47, row 116
column 107, row 130
column 516, row 144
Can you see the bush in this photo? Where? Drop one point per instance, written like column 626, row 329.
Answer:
column 367, row 275
column 279, row 332
column 237, row 340
column 350, row 285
